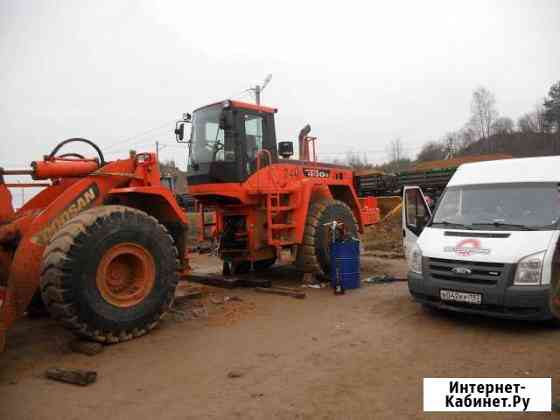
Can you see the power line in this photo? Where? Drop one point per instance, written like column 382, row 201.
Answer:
column 139, row 143
column 141, row 134
column 367, row 151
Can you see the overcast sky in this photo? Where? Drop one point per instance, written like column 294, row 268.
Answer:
column 361, row 73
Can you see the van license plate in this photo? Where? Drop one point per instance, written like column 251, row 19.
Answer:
column 474, row 298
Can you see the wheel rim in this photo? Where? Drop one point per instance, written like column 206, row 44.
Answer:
column 126, row 274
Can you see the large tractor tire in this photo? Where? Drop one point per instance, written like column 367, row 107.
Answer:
column 262, row 265
column 314, row 254
column 110, row 274
column 37, row 308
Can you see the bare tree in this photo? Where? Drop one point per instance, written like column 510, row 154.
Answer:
column 525, row 123
column 337, row 161
column 502, row 125
column 432, row 150
column 451, row 143
column 396, row 150
column 468, row 135
column 354, row 160
column 397, row 157
column 552, row 108
column 483, row 109
column 532, row 122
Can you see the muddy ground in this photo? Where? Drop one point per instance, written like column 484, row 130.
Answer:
column 358, row 356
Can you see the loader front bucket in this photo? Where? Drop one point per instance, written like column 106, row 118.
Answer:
column 17, row 290
column 2, row 329
column 4, row 304
column 7, row 231
column 5, row 301
column 3, row 326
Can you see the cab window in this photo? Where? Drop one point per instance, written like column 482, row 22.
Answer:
column 253, row 135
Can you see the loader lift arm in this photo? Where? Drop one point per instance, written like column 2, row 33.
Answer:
column 94, row 242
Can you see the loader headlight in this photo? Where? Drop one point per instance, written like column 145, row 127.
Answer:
column 415, row 260
column 529, row 269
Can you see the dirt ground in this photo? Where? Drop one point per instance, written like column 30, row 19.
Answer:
column 358, row 356
column 385, row 238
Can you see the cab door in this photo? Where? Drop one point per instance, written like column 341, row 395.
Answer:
column 415, row 215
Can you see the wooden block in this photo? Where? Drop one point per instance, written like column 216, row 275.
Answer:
column 72, row 376
column 281, row 291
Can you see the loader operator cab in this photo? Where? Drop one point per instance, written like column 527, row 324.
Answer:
column 225, row 141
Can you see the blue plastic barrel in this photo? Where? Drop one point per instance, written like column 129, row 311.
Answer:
column 345, row 263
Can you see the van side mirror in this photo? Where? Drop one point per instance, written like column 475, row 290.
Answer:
column 286, row 149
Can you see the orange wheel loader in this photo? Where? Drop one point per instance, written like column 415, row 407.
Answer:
column 266, row 203
column 101, row 245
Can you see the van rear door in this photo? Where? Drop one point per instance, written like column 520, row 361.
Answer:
column 415, row 215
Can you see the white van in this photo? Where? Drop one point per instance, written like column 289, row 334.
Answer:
column 491, row 246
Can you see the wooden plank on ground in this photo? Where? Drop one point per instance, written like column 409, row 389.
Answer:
column 281, row 291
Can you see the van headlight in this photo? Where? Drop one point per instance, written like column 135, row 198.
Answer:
column 529, row 269
column 415, row 260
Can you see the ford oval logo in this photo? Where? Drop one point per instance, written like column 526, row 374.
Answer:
column 461, row 270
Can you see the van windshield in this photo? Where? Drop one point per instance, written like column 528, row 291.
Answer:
column 520, row 206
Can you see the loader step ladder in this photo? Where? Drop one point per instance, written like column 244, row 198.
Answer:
column 280, row 206
column 206, row 222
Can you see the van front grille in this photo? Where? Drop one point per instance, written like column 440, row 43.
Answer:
column 465, row 271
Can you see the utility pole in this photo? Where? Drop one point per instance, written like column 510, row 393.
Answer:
column 258, row 94
column 157, row 151
column 259, row 88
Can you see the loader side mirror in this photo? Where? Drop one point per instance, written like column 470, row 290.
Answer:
column 286, row 149
column 181, row 133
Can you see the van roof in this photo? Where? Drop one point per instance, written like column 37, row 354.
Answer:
column 538, row 169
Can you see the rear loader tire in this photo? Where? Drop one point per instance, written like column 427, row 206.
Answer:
column 110, row 273
column 314, row 253
column 262, row 265
column 37, row 308
column 233, row 268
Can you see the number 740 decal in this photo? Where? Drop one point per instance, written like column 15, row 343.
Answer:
column 316, row 172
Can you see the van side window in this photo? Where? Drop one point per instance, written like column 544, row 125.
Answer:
column 416, row 212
